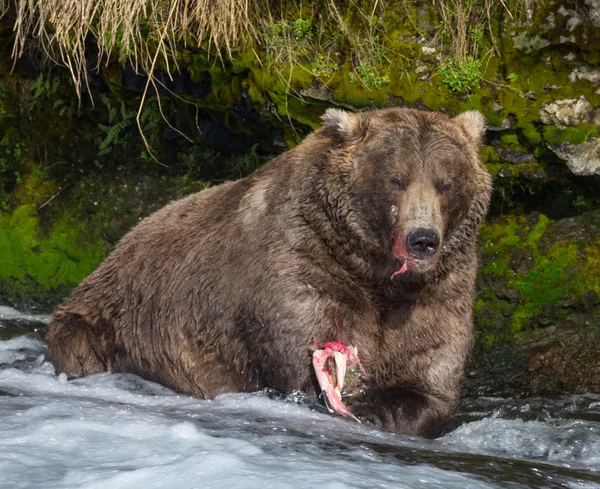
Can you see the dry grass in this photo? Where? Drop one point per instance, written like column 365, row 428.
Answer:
column 145, row 31
column 465, row 22
column 365, row 33
column 148, row 31
column 357, row 25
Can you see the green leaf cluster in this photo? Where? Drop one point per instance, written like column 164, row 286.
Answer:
column 460, row 76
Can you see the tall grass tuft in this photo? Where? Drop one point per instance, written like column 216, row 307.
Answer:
column 465, row 22
column 141, row 30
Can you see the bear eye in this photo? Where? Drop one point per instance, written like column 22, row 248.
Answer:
column 398, row 185
column 444, row 188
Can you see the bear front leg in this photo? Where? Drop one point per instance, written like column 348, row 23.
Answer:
column 405, row 411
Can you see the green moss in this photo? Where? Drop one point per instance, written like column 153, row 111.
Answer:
column 519, row 321
column 490, row 155
column 54, row 261
column 541, row 285
column 546, row 282
column 531, row 133
column 509, row 139
column 521, row 257
column 589, row 277
column 513, row 103
column 573, row 135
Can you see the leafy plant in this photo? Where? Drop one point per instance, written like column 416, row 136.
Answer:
column 369, row 77
column 323, row 66
column 43, row 88
column 246, row 164
column 579, row 202
column 5, row 113
column 302, row 28
column 460, row 77
column 119, row 119
column 9, row 153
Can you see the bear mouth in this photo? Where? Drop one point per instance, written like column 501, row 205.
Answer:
column 411, row 265
column 410, row 262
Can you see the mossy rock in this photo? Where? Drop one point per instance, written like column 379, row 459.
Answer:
column 543, row 267
column 44, row 265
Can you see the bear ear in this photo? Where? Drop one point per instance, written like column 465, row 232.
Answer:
column 474, row 123
column 346, row 125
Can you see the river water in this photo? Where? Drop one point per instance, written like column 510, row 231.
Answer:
column 119, row 431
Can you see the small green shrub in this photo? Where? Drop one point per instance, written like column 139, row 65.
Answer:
column 579, row 202
column 369, row 77
column 114, row 133
column 323, row 66
column 44, row 87
column 512, row 77
column 461, row 77
column 302, row 28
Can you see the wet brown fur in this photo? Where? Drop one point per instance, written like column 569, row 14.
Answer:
column 226, row 290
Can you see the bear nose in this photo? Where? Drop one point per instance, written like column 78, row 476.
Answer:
column 423, row 242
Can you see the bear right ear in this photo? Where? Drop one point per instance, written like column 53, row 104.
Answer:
column 347, row 126
column 474, row 123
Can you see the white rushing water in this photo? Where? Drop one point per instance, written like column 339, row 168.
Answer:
column 119, row 431
column 8, row 313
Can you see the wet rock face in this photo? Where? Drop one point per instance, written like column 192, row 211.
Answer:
column 582, row 159
column 569, row 113
column 585, row 72
column 593, row 7
column 538, row 307
column 545, row 362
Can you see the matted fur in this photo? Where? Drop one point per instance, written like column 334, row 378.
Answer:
column 227, row 289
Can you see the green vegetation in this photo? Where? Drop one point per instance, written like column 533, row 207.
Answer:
column 572, row 135
column 512, row 77
column 368, row 77
column 56, row 259
column 461, row 76
column 287, row 30
column 302, row 29
column 118, row 122
column 44, row 87
column 543, row 275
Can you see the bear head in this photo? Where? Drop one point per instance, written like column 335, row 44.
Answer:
column 418, row 187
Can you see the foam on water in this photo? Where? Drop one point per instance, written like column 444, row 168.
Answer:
column 120, row 431
column 566, row 441
column 10, row 313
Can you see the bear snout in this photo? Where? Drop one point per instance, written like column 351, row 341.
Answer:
column 423, row 243
column 416, row 249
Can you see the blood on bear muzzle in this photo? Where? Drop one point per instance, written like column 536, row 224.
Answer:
column 418, row 250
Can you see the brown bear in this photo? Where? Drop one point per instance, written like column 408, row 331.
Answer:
column 362, row 236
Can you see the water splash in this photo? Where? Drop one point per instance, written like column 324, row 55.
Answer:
column 120, row 431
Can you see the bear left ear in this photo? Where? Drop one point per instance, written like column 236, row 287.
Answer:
column 346, row 125
column 474, row 123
